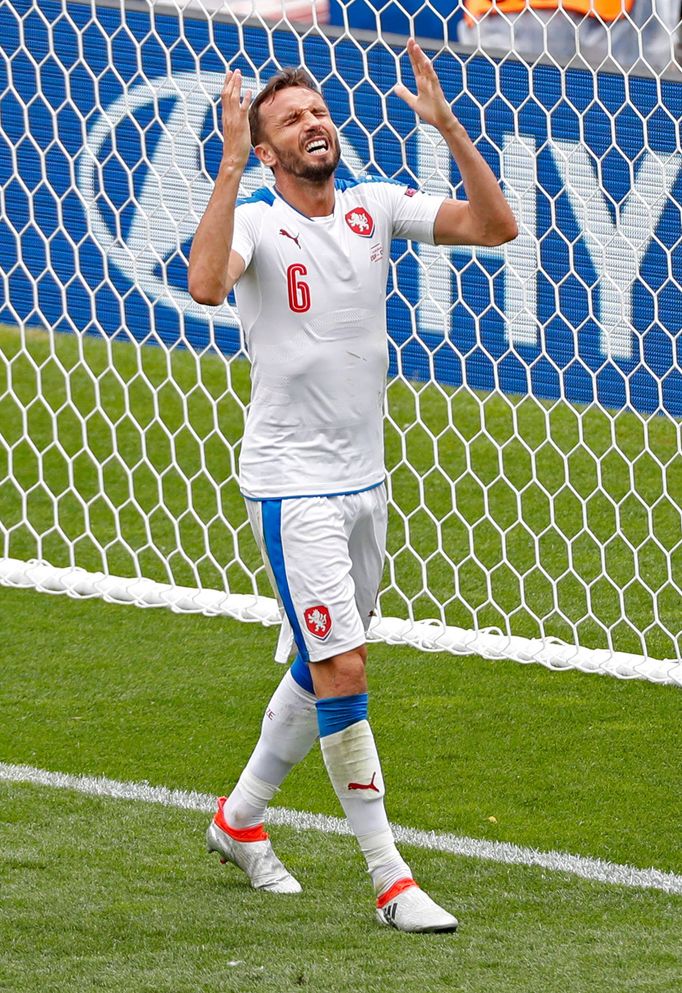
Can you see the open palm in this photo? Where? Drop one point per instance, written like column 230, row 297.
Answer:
column 429, row 102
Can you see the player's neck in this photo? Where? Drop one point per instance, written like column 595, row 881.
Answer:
column 311, row 199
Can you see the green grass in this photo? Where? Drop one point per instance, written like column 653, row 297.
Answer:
column 561, row 760
column 119, row 896
column 114, row 896
column 537, row 518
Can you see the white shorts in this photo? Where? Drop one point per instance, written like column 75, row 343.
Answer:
column 324, row 556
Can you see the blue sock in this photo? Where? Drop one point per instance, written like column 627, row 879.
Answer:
column 335, row 713
column 300, row 672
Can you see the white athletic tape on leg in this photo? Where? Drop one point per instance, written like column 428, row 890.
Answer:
column 353, row 763
column 379, row 848
column 256, row 791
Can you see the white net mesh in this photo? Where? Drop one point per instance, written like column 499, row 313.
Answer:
column 533, row 432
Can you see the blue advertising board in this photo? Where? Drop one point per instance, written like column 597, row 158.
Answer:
column 435, row 19
column 109, row 137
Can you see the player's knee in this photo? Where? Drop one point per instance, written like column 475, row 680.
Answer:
column 351, row 664
column 341, row 675
column 358, row 655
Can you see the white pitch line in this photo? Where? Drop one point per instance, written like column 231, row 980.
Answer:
column 595, row 870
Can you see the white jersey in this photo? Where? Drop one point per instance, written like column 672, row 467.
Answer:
column 312, row 302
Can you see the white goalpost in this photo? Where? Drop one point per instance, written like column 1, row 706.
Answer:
column 534, row 402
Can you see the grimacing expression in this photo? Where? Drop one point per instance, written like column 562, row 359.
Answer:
column 301, row 133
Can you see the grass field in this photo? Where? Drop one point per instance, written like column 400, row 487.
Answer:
column 103, row 894
column 531, row 517
column 119, row 896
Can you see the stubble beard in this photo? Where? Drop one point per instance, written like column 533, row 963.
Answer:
column 312, row 172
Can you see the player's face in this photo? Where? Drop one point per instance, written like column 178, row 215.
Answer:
column 301, row 133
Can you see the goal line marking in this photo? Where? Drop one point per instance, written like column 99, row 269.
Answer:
column 594, row 870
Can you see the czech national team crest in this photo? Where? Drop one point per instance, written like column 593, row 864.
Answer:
column 360, row 221
column 318, row 621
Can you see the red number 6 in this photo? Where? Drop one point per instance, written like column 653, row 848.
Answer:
column 299, row 292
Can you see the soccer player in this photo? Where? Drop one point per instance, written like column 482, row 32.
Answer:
column 309, row 262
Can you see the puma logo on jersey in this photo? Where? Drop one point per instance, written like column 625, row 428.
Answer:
column 294, row 237
column 365, row 786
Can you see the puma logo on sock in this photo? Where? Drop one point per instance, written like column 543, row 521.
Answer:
column 365, row 786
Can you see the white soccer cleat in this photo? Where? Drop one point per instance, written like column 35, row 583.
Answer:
column 251, row 851
column 407, row 908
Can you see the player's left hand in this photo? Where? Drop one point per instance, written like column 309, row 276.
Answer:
column 429, row 102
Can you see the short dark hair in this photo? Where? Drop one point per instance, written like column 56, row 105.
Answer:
column 289, row 76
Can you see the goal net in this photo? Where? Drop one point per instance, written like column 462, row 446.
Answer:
column 535, row 392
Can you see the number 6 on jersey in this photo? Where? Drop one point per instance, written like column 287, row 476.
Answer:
column 299, row 291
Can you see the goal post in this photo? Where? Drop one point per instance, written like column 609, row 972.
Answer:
column 533, row 440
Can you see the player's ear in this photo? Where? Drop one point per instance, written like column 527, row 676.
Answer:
column 265, row 154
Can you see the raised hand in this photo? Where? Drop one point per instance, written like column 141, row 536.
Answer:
column 429, row 102
column 235, row 113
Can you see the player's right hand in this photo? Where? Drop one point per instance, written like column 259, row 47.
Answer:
column 236, row 130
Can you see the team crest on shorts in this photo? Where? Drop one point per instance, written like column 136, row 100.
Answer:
column 360, row 221
column 318, row 621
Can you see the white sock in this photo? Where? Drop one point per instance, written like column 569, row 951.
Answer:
column 288, row 732
column 355, row 772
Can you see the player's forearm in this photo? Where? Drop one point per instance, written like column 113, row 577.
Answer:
column 491, row 217
column 208, row 280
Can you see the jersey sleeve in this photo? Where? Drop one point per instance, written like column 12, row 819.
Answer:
column 413, row 212
column 245, row 234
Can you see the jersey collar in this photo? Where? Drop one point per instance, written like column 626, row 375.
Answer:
column 325, row 217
